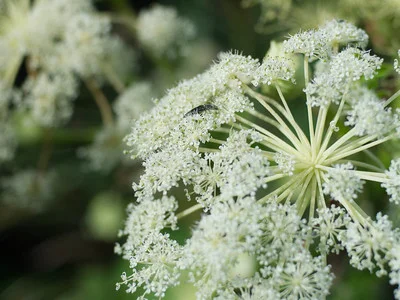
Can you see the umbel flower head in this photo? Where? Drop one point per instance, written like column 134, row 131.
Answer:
column 62, row 42
column 263, row 181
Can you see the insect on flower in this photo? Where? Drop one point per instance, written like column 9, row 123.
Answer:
column 200, row 109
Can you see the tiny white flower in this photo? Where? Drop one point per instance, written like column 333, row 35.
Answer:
column 369, row 116
column 50, row 98
column 106, row 151
column 342, row 184
column 396, row 63
column 340, row 32
column 330, row 226
column 392, row 184
column 351, row 64
column 273, row 69
column 86, row 36
column 135, row 100
column 368, row 246
column 29, row 189
column 285, row 162
column 312, row 43
column 163, row 32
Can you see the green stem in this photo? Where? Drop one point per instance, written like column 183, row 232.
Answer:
column 392, row 98
column 343, row 154
column 275, row 142
column 188, row 211
column 290, row 117
column 101, row 101
column 284, row 129
column 309, row 108
column 295, row 179
column 362, row 165
column 113, row 78
column 332, row 125
column 302, row 198
column 321, row 203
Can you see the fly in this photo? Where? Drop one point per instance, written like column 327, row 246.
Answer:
column 200, row 109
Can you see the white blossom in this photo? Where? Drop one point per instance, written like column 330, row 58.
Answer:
column 242, row 168
column 342, row 183
column 369, row 116
column 342, row 70
column 396, row 63
column 312, row 43
column 323, row 90
column 148, row 216
column 146, row 246
column 29, row 189
column 285, row 162
column 340, row 32
column 106, row 151
column 169, row 121
column 86, row 36
column 241, row 155
column 392, row 184
column 163, row 32
column 351, row 64
column 50, row 98
column 157, row 255
column 135, row 100
column 273, row 69
column 165, row 169
column 303, row 277
column 368, row 246
column 330, row 226
column 231, row 229
column 320, row 43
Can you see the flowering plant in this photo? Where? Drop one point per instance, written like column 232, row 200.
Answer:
column 263, row 182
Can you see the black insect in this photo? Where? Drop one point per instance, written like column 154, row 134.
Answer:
column 200, row 109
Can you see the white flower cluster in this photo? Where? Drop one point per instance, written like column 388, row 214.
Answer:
column 273, row 69
column 86, row 37
column 61, row 40
column 392, row 184
column 285, row 162
column 373, row 246
column 370, row 116
column 396, row 63
column 341, row 183
column 106, row 151
column 330, row 226
column 163, row 32
column 320, row 43
column 186, row 114
column 149, row 247
column 241, row 169
column 135, row 100
column 232, row 230
column 242, row 157
column 343, row 69
column 29, row 189
column 369, row 246
column 49, row 98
